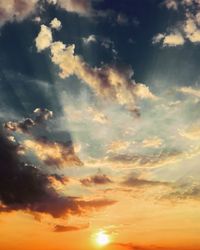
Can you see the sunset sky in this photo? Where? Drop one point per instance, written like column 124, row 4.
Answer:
column 100, row 124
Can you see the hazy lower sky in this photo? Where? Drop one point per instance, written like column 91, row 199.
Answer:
column 100, row 124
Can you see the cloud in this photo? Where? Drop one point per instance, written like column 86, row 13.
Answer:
column 24, row 187
column 89, row 39
column 81, row 7
column 117, row 146
column 185, row 30
column 169, row 40
column 110, row 82
column 189, row 91
column 171, row 4
column 184, row 190
column 44, row 38
column 56, row 24
column 53, row 153
column 98, row 179
column 134, row 181
column 192, row 133
column 63, row 229
column 25, row 125
column 22, row 126
column 152, row 142
column 16, row 10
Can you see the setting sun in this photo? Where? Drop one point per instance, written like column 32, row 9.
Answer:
column 102, row 238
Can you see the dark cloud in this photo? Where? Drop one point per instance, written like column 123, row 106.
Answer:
column 25, row 187
column 99, row 179
column 63, row 229
column 25, row 125
column 134, row 181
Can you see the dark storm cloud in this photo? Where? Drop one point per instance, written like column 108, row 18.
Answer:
column 99, row 179
column 25, row 187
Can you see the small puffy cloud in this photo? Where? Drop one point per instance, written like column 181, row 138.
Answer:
column 89, row 39
column 169, row 40
column 56, row 24
column 44, row 38
column 173, row 39
column 158, row 38
column 16, row 10
column 143, row 92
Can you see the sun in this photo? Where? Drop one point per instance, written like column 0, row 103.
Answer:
column 102, row 239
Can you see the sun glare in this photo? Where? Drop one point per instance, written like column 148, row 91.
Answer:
column 102, row 238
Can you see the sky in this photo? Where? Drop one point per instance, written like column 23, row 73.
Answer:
column 99, row 124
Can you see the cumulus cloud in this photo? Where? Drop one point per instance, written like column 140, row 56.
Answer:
column 110, row 82
column 56, row 24
column 16, row 10
column 44, row 38
column 53, row 153
column 169, row 40
column 187, row 29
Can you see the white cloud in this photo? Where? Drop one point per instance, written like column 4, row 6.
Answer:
column 44, row 38
column 56, row 24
